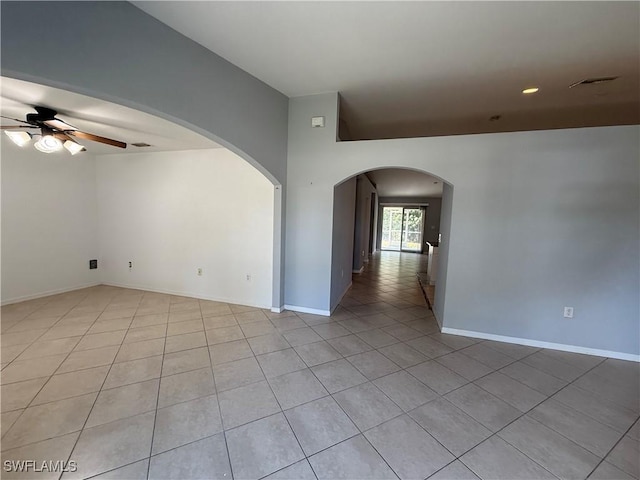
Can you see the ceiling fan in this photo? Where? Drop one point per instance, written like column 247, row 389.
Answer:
column 54, row 133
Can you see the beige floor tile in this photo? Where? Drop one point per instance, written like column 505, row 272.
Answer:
column 186, row 386
column 112, row 445
column 96, row 357
column 138, row 350
column 262, row 447
column 186, row 422
column 186, row 341
column 133, row 471
column 98, row 340
column 122, row 402
column 185, row 360
column 49, row 420
column 320, row 424
column 408, row 449
column 19, row 371
column 134, row 371
column 55, row 449
column 18, row 395
column 205, row 458
column 246, row 404
column 45, row 348
column 367, row 406
column 72, row 384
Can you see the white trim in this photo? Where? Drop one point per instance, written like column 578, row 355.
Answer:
column 315, row 311
column 358, row 271
column 48, row 293
column 277, row 309
column 198, row 296
column 537, row 343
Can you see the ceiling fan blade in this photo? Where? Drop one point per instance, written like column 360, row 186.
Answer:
column 63, row 136
column 59, row 124
column 8, row 127
column 15, row 119
column 97, row 138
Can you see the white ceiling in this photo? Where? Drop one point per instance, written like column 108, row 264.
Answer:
column 430, row 68
column 399, row 182
column 17, row 98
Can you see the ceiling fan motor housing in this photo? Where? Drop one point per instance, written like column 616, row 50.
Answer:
column 43, row 115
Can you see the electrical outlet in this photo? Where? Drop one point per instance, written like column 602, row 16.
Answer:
column 568, row 312
column 199, row 272
column 93, row 264
column 130, row 265
column 248, row 277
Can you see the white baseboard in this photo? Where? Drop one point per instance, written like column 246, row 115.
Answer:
column 537, row 343
column 48, row 293
column 358, row 271
column 277, row 309
column 199, row 296
column 315, row 311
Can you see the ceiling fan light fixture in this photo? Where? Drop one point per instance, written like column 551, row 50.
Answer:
column 48, row 144
column 19, row 138
column 73, row 147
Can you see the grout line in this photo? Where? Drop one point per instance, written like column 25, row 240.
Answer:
column 215, row 387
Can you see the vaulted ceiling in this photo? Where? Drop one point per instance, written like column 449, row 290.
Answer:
column 432, row 68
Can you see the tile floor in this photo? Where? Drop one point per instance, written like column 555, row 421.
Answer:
column 131, row 384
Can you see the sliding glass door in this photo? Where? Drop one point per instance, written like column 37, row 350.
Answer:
column 402, row 229
column 412, row 230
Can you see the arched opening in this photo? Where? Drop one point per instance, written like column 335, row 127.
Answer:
column 391, row 224
column 183, row 215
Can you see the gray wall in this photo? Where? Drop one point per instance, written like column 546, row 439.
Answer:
column 344, row 205
column 116, row 52
column 580, row 186
column 362, row 229
column 443, row 251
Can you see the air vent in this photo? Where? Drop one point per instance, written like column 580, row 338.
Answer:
column 593, row 81
column 140, row 144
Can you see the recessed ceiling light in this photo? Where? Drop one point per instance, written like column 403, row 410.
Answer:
column 529, row 90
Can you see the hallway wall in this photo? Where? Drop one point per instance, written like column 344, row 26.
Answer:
column 503, row 278
column 362, row 228
column 342, row 239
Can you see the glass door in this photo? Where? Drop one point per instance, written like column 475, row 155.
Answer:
column 402, row 229
column 412, row 230
column 391, row 228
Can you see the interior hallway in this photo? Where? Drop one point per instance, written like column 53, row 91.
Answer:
column 133, row 384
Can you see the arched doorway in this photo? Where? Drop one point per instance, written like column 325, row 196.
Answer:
column 354, row 200
column 181, row 215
